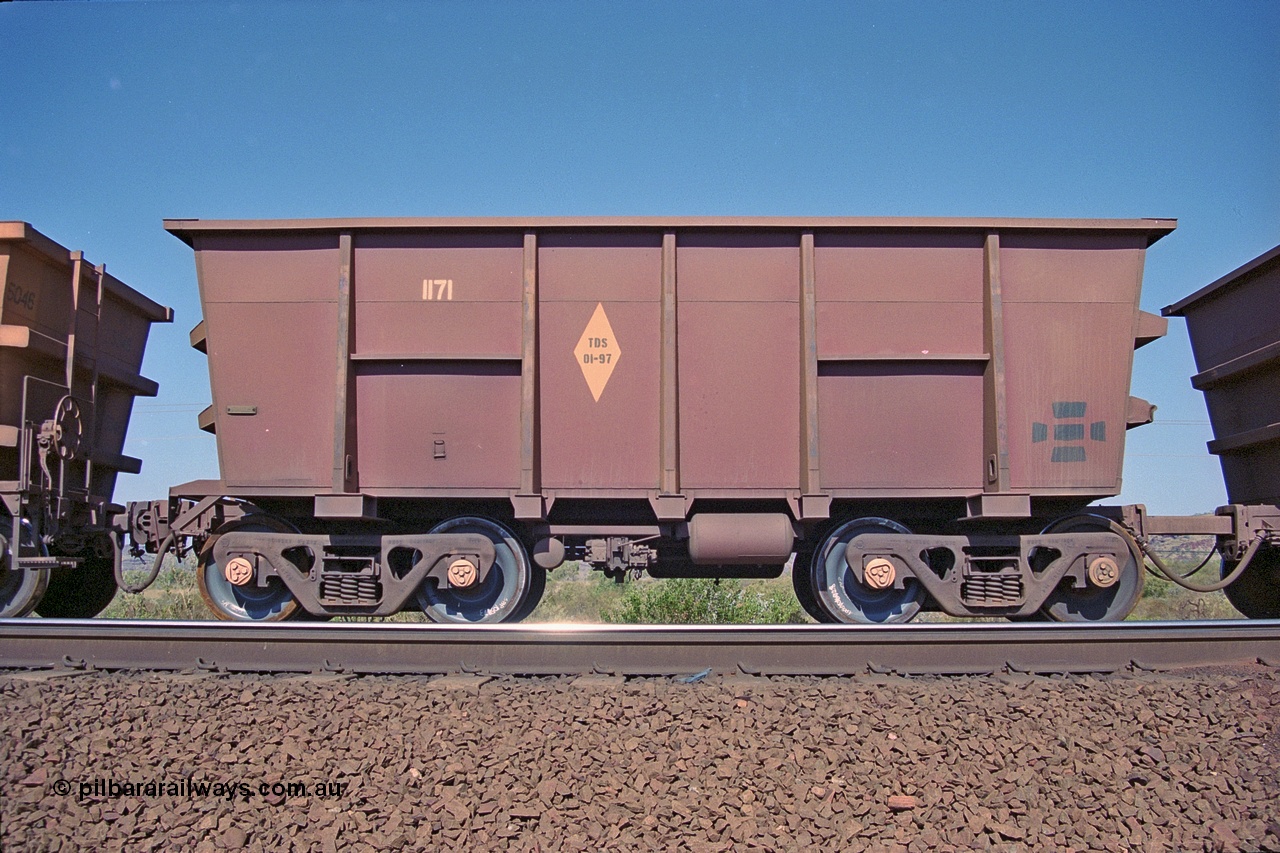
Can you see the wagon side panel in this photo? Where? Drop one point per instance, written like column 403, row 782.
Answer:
column 739, row 360
column 437, row 359
column 900, row 360
column 1070, row 309
column 599, row 339
column 271, row 318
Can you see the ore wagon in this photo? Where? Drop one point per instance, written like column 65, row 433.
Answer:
column 71, row 344
column 1234, row 325
column 431, row 413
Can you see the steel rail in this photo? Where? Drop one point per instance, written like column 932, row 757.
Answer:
column 633, row 650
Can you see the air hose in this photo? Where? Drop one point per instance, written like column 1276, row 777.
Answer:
column 1141, row 547
column 1182, row 580
column 154, row 573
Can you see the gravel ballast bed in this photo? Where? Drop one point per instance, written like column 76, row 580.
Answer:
column 1178, row 761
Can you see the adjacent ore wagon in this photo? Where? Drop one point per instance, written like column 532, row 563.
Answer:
column 431, row 413
column 1234, row 324
column 71, row 343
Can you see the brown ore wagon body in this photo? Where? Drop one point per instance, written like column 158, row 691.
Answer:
column 696, row 396
column 1234, row 326
column 72, row 338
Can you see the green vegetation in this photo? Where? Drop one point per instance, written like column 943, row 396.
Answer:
column 702, row 601
column 577, row 594
column 1165, row 600
column 174, row 594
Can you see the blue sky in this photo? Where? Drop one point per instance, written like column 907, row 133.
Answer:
column 115, row 115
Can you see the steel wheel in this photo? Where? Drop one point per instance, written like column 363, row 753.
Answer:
column 537, row 586
column 802, row 582
column 843, row 597
column 21, row 591
column 1094, row 604
column 251, row 602
column 1256, row 593
column 80, row 593
column 501, row 597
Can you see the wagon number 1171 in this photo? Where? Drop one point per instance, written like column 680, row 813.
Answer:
column 437, row 289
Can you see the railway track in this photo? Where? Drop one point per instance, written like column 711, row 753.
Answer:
column 633, row 650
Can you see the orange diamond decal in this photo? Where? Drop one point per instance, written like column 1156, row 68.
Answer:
column 597, row 352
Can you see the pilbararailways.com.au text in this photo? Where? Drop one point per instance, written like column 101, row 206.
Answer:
column 195, row 788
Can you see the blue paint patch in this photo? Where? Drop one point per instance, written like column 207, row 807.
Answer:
column 1068, row 432
column 1069, row 410
column 1098, row 430
column 1069, row 453
column 1039, row 433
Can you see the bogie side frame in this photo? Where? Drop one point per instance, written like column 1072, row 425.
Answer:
column 375, row 568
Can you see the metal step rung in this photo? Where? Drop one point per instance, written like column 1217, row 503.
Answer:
column 47, row 562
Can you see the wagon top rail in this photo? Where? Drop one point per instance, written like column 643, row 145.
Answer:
column 186, row 229
column 15, row 231
column 1219, row 286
